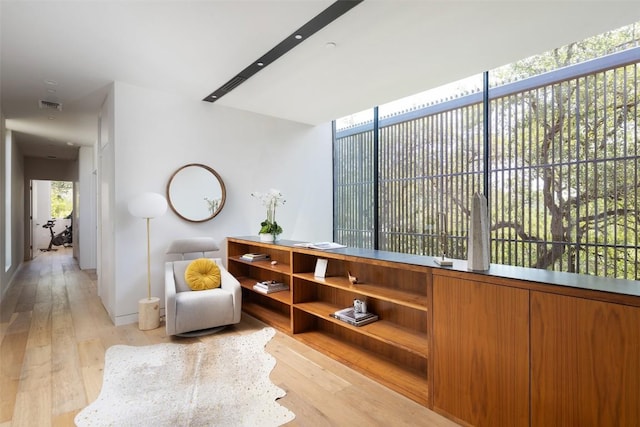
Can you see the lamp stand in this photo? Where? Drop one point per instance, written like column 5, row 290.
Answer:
column 148, row 308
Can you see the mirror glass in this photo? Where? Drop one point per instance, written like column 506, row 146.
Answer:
column 196, row 192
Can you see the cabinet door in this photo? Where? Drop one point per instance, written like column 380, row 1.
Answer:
column 481, row 352
column 585, row 362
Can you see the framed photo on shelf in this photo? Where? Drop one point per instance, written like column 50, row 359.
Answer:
column 321, row 268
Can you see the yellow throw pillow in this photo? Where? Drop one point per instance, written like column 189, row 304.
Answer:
column 202, row 274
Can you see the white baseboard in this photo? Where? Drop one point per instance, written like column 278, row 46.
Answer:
column 11, row 281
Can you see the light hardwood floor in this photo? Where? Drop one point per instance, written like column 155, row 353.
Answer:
column 54, row 332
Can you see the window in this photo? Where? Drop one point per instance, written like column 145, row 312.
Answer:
column 555, row 150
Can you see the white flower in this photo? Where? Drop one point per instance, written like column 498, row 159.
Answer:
column 271, row 199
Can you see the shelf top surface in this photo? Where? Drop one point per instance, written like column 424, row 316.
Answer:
column 573, row 280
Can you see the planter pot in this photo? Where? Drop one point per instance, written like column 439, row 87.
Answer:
column 264, row 237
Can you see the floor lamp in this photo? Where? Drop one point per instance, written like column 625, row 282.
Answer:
column 147, row 206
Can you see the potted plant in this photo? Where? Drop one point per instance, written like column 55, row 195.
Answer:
column 269, row 228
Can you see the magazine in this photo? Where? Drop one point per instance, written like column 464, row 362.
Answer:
column 321, row 245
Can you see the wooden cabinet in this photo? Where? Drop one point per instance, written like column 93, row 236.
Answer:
column 585, row 362
column 481, row 349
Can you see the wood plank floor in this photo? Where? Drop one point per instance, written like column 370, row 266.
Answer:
column 54, row 332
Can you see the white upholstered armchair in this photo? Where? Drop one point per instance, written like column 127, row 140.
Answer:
column 198, row 312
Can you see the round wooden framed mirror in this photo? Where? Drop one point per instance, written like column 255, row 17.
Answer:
column 196, row 192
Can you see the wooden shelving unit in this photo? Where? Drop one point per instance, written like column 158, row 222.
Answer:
column 480, row 348
column 393, row 350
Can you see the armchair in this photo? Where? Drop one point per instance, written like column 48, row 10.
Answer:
column 192, row 313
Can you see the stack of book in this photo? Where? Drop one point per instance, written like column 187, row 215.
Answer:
column 254, row 257
column 270, row 286
column 349, row 316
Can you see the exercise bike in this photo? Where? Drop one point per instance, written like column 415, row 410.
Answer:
column 64, row 238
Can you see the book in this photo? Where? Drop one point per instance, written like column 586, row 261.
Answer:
column 268, row 290
column 254, row 257
column 321, row 245
column 348, row 315
column 269, row 284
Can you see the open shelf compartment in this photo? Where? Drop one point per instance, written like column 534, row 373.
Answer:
column 271, row 317
column 407, row 376
column 282, row 296
column 381, row 330
column 273, row 309
column 381, row 292
column 280, row 267
column 236, row 248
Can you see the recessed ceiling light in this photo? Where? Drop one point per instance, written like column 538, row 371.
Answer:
column 330, row 45
column 51, row 118
column 51, row 82
column 321, row 20
column 50, row 90
column 70, row 144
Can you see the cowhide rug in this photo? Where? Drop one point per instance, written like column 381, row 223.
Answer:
column 221, row 382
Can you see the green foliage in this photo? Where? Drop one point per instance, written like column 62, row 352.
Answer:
column 563, row 170
column 575, row 207
column 61, row 199
column 269, row 227
column 574, row 53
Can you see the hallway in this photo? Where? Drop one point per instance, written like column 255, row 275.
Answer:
column 53, row 333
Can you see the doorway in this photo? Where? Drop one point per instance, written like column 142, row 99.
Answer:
column 51, row 215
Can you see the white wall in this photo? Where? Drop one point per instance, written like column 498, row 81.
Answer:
column 17, row 203
column 106, row 262
column 41, row 211
column 50, row 169
column 4, row 277
column 84, row 226
column 156, row 133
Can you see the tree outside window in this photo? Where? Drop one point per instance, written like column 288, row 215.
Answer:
column 61, row 199
column 558, row 148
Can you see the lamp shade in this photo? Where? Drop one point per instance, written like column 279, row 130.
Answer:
column 148, row 205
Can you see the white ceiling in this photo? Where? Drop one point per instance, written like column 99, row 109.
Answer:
column 385, row 49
